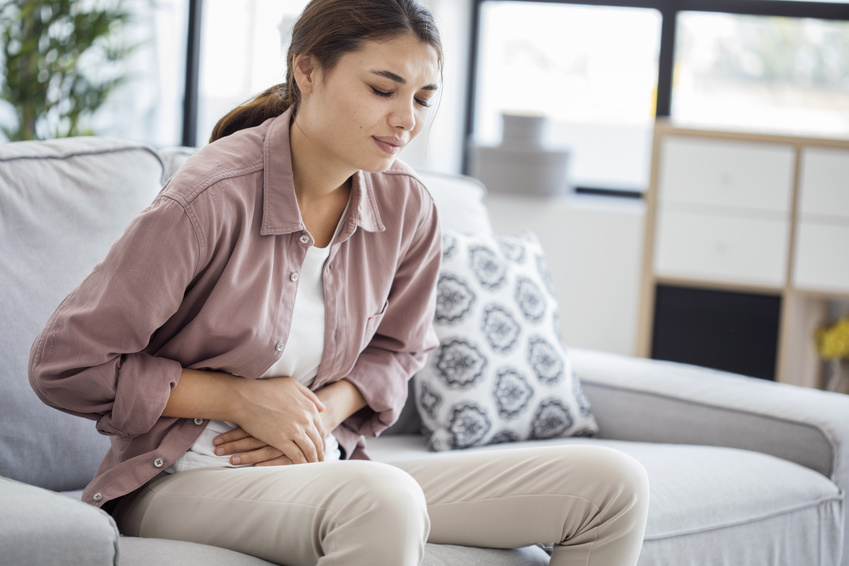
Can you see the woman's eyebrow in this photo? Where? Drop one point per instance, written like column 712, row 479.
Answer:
column 400, row 80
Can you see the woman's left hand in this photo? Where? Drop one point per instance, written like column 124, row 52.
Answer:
column 248, row 450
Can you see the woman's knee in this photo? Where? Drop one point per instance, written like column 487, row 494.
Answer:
column 389, row 498
column 626, row 479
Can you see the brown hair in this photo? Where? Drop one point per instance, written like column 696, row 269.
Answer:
column 327, row 30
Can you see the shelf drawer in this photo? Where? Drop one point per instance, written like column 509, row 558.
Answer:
column 824, row 182
column 724, row 173
column 822, row 258
column 723, row 249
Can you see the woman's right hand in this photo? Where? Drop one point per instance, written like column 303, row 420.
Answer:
column 285, row 414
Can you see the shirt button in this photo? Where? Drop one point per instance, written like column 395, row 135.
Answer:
column 293, row 276
column 198, row 421
column 97, row 496
column 279, row 346
column 305, row 239
column 159, row 462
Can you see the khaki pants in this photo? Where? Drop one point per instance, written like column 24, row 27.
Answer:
column 590, row 501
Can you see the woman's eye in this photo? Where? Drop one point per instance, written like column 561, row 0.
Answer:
column 423, row 103
column 381, row 92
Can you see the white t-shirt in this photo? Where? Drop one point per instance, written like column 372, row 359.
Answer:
column 300, row 359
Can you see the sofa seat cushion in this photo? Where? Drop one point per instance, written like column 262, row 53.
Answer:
column 728, row 503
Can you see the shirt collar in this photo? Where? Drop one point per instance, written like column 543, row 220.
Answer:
column 280, row 212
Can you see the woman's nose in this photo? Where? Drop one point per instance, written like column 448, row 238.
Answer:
column 403, row 116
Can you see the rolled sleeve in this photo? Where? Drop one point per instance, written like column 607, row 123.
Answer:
column 404, row 337
column 93, row 358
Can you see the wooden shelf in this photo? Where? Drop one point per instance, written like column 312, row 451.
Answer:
column 728, row 182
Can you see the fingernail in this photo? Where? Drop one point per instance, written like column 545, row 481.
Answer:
column 235, row 460
column 217, row 441
column 219, row 451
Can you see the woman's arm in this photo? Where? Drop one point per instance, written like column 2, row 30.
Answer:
column 280, row 412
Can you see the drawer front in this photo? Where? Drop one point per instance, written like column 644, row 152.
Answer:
column 824, row 182
column 738, row 174
column 822, row 257
column 723, row 249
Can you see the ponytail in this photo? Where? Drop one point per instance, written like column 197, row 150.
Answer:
column 268, row 104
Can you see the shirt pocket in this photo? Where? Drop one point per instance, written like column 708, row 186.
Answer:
column 372, row 324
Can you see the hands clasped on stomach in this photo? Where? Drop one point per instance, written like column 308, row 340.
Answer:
column 269, row 422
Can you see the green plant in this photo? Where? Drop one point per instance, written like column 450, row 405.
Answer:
column 59, row 61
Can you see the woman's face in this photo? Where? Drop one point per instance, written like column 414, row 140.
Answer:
column 375, row 100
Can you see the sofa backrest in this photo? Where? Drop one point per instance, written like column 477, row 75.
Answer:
column 62, row 204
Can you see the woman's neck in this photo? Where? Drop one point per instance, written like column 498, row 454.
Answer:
column 322, row 190
column 316, row 178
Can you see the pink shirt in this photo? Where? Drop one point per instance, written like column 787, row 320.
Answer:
column 205, row 278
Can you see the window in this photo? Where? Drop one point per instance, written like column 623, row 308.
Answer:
column 604, row 72
column 784, row 75
column 592, row 71
column 243, row 52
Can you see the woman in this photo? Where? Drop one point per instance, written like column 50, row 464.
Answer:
column 267, row 311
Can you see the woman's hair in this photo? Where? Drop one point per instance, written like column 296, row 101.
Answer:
column 327, row 30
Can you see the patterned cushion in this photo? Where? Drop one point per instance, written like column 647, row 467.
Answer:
column 501, row 372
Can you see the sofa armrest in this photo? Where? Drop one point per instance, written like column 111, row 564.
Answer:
column 654, row 401
column 38, row 526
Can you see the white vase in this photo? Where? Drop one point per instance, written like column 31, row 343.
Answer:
column 838, row 376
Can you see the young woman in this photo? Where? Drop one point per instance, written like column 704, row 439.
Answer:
column 266, row 312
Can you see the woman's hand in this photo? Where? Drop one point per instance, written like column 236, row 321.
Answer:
column 341, row 400
column 248, row 450
column 282, row 419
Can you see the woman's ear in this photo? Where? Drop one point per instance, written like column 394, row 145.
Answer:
column 305, row 72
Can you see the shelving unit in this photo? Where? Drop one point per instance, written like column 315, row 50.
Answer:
column 750, row 213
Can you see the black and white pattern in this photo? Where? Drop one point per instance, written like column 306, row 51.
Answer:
column 552, row 419
column 501, row 372
column 429, row 400
column 546, row 359
column 460, row 364
column 454, row 299
column 530, row 299
column 512, row 393
column 500, row 328
column 449, row 246
column 487, row 266
column 469, row 424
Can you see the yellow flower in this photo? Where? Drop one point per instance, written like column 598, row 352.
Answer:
column 832, row 342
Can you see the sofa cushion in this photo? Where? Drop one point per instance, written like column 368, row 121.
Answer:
column 134, row 551
column 500, row 373
column 62, row 204
column 734, row 506
column 459, row 201
column 38, row 526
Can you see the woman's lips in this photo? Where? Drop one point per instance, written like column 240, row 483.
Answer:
column 390, row 145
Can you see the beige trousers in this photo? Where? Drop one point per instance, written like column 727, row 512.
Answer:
column 591, row 502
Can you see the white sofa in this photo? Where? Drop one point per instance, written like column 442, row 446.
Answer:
column 742, row 471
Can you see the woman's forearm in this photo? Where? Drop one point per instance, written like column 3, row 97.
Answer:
column 341, row 399
column 206, row 395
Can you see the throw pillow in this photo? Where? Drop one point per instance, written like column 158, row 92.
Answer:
column 501, row 372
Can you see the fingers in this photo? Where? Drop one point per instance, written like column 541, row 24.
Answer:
column 234, row 447
column 257, row 457
column 312, row 397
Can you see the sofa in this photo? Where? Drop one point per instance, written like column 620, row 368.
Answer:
column 742, row 471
